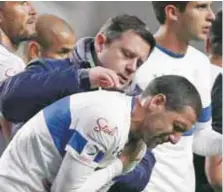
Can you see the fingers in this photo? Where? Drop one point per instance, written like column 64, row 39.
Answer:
column 103, row 77
column 109, row 79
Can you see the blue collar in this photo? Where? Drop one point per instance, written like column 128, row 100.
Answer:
column 170, row 53
column 133, row 102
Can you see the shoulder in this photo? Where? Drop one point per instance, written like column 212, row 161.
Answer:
column 197, row 54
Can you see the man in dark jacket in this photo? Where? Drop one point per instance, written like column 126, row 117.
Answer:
column 121, row 46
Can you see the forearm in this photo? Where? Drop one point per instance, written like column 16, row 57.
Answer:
column 207, row 142
column 101, row 177
column 213, row 168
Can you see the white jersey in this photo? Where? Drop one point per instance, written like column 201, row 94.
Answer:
column 88, row 129
column 10, row 64
column 173, row 171
column 215, row 71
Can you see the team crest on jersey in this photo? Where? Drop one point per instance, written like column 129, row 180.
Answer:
column 89, row 153
column 102, row 125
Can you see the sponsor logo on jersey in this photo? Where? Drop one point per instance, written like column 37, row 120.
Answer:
column 102, row 125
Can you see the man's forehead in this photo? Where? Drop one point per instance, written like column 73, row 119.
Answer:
column 134, row 43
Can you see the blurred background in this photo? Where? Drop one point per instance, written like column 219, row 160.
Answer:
column 86, row 17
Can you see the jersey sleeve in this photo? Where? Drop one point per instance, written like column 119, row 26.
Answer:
column 94, row 137
column 204, row 88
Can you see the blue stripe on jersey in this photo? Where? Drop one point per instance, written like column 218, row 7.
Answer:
column 77, row 142
column 170, row 53
column 190, row 132
column 99, row 157
column 205, row 115
column 133, row 103
column 58, row 119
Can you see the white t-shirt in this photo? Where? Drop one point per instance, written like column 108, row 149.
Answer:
column 173, row 171
column 215, row 71
column 74, row 136
column 10, row 64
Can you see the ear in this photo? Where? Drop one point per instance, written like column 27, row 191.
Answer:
column 1, row 14
column 172, row 13
column 33, row 51
column 208, row 46
column 156, row 103
column 100, row 40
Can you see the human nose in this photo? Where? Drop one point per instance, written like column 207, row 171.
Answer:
column 132, row 66
column 211, row 15
column 32, row 10
column 175, row 138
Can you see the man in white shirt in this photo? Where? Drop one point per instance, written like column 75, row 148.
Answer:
column 17, row 23
column 181, row 22
column 67, row 142
column 213, row 165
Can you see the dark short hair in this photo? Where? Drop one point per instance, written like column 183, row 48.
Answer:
column 216, row 34
column 178, row 91
column 159, row 8
column 116, row 26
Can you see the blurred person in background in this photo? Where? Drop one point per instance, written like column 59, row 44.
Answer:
column 213, row 165
column 54, row 39
column 17, row 24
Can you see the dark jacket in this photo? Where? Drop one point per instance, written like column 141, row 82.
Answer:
column 45, row 81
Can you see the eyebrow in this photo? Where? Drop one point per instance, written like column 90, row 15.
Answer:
column 179, row 127
column 134, row 54
column 64, row 49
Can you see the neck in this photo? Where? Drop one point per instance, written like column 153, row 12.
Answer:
column 137, row 115
column 165, row 37
column 216, row 60
column 6, row 42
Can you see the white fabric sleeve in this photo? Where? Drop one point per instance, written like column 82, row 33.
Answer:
column 207, row 142
column 93, row 140
column 74, row 176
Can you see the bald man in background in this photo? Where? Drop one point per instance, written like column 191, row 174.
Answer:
column 54, row 39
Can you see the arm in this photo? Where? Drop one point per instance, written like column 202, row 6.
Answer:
column 45, row 82
column 74, row 176
column 85, row 150
column 206, row 141
column 213, row 165
column 137, row 179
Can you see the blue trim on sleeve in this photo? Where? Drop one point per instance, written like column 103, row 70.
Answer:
column 99, row 157
column 205, row 115
column 58, row 119
column 77, row 142
column 190, row 132
column 170, row 53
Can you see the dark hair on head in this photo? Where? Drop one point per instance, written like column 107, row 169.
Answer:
column 116, row 26
column 179, row 93
column 216, row 35
column 159, row 8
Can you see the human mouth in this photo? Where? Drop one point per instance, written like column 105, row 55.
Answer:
column 123, row 79
column 32, row 20
column 206, row 29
